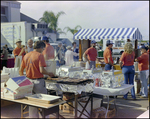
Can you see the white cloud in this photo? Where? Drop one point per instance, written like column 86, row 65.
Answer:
column 93, row 14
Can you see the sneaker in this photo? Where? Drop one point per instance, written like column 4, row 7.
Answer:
column 134, row 99
column 143, row 96
column 124, row 98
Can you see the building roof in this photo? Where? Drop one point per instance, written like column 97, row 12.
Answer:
column 24, row 17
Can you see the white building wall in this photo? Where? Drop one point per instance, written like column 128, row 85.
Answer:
column 15, row 14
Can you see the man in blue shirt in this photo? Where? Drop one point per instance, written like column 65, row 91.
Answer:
column 75, row 49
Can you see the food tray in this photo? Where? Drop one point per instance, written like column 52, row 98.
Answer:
column 43, row 98
column 73, row 81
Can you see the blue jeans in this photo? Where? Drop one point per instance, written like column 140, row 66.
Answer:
column 92, row 63
column 108, row 67
column 144, row 91
column 129, row 72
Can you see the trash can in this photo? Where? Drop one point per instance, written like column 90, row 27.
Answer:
column 100, row 53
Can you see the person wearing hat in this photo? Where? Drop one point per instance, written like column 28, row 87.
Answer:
column 18, row 51
column 127, row 65
column 91, row 54
column 69, row 56
column 143, row 65
column 49, row 50
column 108, row 55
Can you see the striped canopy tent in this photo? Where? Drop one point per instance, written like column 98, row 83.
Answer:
column 108, row 33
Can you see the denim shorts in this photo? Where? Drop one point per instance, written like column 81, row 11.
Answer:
column 108, row 67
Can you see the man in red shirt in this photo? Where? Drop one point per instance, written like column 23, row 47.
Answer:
column 18, row 51
column 91, row 54
column 143, row 68
column 108, row 55
column 49, row 50
column 34, row 64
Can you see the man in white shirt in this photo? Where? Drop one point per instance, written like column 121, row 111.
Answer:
column 69, row 56
column 29, row 48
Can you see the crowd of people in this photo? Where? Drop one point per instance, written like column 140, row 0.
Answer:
column 34, row 60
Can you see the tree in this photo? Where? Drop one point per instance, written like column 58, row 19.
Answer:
column 73, row 31
column 52, row 20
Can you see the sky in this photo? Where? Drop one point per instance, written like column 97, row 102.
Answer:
column 93, row 14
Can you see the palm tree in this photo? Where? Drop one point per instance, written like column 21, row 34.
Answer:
column 73, row 31
column 52, row 20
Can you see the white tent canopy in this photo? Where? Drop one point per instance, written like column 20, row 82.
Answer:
column 108, row 33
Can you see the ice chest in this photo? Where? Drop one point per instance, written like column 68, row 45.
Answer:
column 18, row 87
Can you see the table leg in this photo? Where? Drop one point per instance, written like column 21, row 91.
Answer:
column 76, row 105
column 115, row 104
column 91, row 104
column 21, row 110
column 107, row 107
column 57, row 115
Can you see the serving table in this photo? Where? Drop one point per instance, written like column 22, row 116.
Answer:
column 122, row 90
column 76, row 86
column 46, row 108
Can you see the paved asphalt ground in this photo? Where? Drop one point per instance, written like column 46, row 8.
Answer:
column 126, row 108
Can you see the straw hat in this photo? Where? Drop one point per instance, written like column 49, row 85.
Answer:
column 18, row 41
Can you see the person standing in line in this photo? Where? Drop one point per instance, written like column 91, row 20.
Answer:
column 127, row 64
column 7, row 48
column 60, row 55
column 143, row 65
column 75, row 49
column 34, row 64
column 108, row 55
column 69, row 56
column 5, row 57
column 49, row 50
column 29, row 48
column 91, row 54
column 18, row 51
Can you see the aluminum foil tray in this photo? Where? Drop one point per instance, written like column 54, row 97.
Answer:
column 43, row 98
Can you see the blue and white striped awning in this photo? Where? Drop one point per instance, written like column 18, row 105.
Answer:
column 108, row 33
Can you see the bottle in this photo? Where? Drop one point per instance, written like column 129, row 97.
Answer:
column 96, row 82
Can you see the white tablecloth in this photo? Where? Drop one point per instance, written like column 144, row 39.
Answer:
column 113, row 91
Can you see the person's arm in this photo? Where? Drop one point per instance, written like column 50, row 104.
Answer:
column 22, row 51
column 120, row 64
column 109, row 61
column 43, row 71
column 85, row 56
column 21, row 71
column 26, row 49
column 22, row 67
column 75, row 54
column 45, row 57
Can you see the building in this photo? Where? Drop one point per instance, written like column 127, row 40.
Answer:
column 11, row 16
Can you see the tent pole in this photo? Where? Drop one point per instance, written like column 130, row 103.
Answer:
column 80, row 50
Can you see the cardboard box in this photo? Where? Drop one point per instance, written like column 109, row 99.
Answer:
column 4, row 77
column 8, row 93
column 100, row 112
column 67, row 108
column 18, row 87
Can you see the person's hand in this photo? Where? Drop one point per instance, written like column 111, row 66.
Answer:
column 23, row 49
column 51, row 74
column 136, row 60
column 59, row 61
